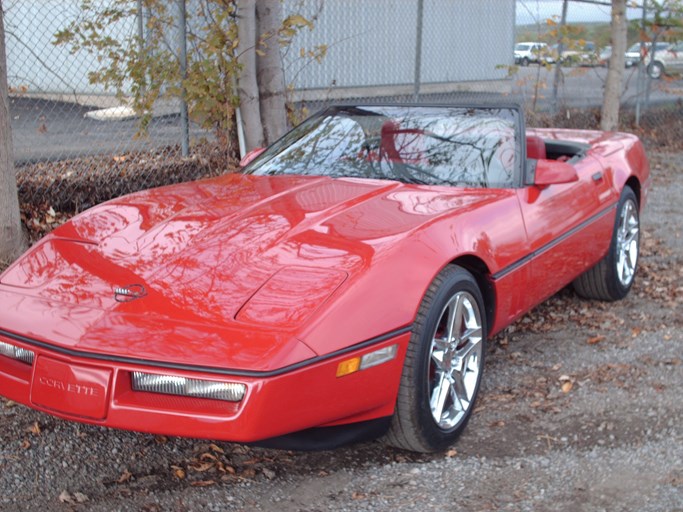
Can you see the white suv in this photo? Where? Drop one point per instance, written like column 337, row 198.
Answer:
column 632, row 55
column 528, row 52
column 665, row 61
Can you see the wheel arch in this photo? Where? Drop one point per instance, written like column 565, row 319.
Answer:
column 634, row 183
column 478, row 268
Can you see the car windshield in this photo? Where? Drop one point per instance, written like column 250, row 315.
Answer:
column 522, row 47
column 457, row 146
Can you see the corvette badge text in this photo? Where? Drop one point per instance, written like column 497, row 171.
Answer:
column 77, row 389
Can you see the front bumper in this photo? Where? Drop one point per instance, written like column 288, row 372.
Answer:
column 100, row 393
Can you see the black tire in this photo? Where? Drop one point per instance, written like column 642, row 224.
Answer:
column 655, row 69
column 414, row 426
column 611, row 279
column 525, row 62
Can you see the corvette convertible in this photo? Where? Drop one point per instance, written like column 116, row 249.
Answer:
column 342, row 286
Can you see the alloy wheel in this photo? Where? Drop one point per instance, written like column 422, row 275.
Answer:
column 455, row 360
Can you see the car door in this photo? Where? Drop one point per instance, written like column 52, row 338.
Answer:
column 675, row 55
column 567, row 226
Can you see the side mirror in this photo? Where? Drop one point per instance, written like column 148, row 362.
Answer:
column 246, row 159
column 552, row 172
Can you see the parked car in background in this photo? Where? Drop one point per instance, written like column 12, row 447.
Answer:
column 604, row 56
column 632, row 55
column 580, row 53
column 665, row 61
column 528, row 52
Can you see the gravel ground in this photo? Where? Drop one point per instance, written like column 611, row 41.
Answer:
column 580, row 411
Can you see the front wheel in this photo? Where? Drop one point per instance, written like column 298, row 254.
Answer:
column 443, row 366
column 612, row 278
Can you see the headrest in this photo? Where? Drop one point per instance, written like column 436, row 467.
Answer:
column 535, row 147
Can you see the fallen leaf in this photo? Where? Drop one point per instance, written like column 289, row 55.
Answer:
column 72, row 499
column 216, row 448
column 268, row 473
column 34, row 429
column 25, row 444
column 202, row 483
column 125, row 477
column 201, row 467
column 248, row 473
column 358, row 495
column 567, row 386
column 80, row 497
column 178, row 472
column 451, row 453
column 595, row 339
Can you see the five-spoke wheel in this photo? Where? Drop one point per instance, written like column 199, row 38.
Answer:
column 628, row 234
column 443, row 365
column 613, row 276
column 455, row 360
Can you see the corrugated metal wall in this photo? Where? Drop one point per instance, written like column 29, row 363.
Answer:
column 373, row 42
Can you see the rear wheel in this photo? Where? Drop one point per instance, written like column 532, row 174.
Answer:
column 443, row 366
column 612, row 278
column 525, row 62
column 655, row 69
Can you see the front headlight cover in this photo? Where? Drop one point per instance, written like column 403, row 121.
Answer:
column 18, row 353
column 183, row 386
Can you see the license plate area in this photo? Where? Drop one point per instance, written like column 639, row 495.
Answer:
column 72, row 389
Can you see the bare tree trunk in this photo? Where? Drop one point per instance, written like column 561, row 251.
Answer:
column 560, row 50
column 11, row 239
column 247, row 84
column 270, row 75
column 609, row 119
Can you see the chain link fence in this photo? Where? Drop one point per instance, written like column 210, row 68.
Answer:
column 77, row 142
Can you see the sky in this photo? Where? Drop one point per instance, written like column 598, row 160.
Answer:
column 532, row 11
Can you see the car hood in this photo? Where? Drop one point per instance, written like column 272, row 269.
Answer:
column 223, row 271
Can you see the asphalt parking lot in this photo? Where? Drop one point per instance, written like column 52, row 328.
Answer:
column 581, row 410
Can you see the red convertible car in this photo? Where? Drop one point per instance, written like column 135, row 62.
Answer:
column 342, row 286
